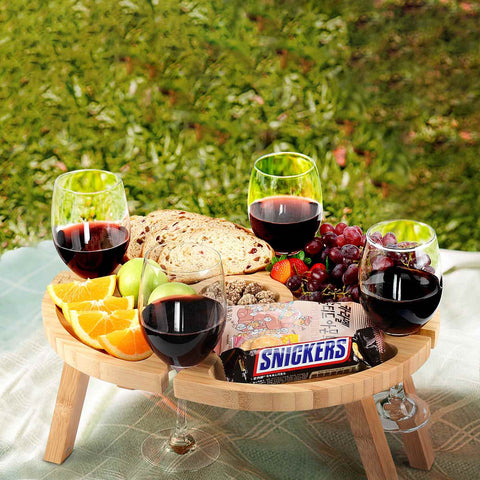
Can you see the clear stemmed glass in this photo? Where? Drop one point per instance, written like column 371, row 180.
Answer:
column 400, row 288
column 285, row 200
column 182, row 321
column 90, row 221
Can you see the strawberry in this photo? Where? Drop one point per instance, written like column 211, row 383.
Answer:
column 282, row 271
column 298, row 266
column 318, row 265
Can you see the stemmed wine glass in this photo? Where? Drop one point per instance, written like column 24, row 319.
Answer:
column 182, row 321
column 285, row 200
column 90, row 221
column 400, row 288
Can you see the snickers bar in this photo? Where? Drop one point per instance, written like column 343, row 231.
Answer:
column 305, row 360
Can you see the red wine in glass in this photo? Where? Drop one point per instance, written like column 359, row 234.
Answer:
column 182, row 330
column 287, row 223
column 400, row 300
column 92, row 249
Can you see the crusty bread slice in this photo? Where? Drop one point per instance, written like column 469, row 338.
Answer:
column 240, row 249
column 188, row 263
column 171, row 223
column 137, row 236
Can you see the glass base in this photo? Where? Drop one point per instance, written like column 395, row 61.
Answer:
column 401, row 416
column 156, row 450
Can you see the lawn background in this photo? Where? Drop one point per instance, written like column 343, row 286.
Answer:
column 180, row 98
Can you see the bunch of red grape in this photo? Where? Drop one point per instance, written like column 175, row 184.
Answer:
column 334, row 275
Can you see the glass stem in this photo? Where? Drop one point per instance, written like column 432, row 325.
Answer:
column 180, row 440
column 397, row 406
column 397, row 391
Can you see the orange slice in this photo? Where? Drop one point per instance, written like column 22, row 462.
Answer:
column 88, row 326
column 90, row 289
column 127, row 344
column 107, row 304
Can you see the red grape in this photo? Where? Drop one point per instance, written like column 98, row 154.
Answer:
column 337, row 271
column 340, row 228
column 351, row 251
column 350, row 276
column 330, row 239
column 294, row 283
column 423, row 260
column 352, row 236
column 324, row 254
column 335, row 255
column 376, row 237
column 313, row 285
column 389, row 239
column 326, row 227
column 316, row 296
column 407, row 244
column 314, row 246
column 340, row 248
column 355, row 293
column 319, row 275
column 341, row 241
column 382, row 263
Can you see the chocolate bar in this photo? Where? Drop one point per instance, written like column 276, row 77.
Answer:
column 305, row 360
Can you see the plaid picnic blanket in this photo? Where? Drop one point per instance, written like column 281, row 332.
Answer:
column 315, row 444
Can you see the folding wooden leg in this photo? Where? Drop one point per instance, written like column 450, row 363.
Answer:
column 371, row 441
column 418, row 444
column 68, row 408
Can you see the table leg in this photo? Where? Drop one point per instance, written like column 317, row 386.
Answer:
column 371, row 441
column 418, row 444
column 68, row 408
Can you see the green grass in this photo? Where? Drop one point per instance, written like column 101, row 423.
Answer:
column 181, row 97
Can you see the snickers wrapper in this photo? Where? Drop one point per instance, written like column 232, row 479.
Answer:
column 305, row 360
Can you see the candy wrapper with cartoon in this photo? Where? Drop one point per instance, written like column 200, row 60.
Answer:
column 255, row 326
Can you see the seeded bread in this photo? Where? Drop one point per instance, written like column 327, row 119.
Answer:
column 240, row 249
column 175, row 222
column 137, row 236
column 143, row 228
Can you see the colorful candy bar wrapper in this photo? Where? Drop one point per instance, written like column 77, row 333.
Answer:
column 298, row 340
column 305, row 360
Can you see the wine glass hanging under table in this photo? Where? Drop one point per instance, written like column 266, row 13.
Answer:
column 90, row 221
column 182, row 321
column 285, row 200
column 400, row 288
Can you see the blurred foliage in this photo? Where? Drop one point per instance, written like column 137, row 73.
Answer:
column 180, row 97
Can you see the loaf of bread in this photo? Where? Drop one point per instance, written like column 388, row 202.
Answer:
column 240, row 249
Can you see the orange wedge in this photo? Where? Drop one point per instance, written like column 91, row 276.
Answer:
column 88, row 326
column 127, row 344
column 107, row 304
column 90, row 289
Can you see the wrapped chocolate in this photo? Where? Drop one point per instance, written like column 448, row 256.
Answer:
column 304, row 360
column 303, row 320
